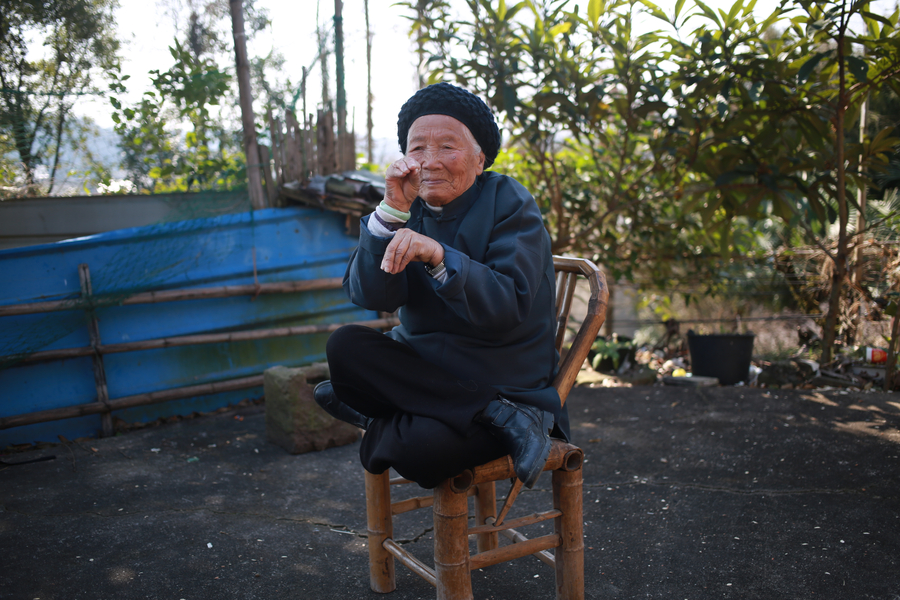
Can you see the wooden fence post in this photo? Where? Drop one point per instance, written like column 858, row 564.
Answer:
column 84, row 275
column 277, row 146
column 270, row 188
column 326, row 145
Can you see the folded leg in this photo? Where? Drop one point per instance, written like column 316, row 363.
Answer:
column 424, row 450
column 379, row 377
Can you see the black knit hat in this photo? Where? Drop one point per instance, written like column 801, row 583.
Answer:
column 456, row 102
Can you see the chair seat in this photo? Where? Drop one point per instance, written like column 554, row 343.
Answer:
column 562, row 455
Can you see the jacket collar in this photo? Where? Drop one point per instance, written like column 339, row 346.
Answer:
column 460, row 204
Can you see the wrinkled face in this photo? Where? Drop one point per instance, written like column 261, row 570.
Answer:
column 449, row 156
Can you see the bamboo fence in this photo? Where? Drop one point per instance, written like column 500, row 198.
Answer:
column 104, row 405
column 299, row 153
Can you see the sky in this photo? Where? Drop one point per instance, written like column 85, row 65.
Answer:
column 147, row 30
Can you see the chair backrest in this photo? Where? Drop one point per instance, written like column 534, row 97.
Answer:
column 567, row 271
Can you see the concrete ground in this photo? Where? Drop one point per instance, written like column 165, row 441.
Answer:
column 688, row 493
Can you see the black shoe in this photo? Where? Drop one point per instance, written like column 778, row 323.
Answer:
column 324, row 395
column 524, row 430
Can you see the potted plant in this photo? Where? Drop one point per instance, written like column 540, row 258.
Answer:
column 610, row 354
column 725, row 356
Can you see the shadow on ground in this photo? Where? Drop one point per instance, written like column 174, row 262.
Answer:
column 688, row 493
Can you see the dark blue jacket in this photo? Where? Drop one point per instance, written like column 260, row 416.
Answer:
column 493, row 319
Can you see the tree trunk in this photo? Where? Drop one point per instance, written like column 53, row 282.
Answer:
column 323, row 60
column 829, row 334
column 420, row 46
column 343, row 152
column 24, row 141
column 251, row 151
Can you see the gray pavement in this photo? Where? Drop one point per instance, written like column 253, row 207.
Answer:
column 688, row 493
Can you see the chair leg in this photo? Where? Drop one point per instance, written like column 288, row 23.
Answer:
column 570, row 527
column 486, row 506
column 380, row 525
column 451, row 544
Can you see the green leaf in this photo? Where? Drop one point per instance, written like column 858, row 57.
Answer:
column 707, row 212
column 645, row 109
column 807, row 68
column 883, row 141
column 510, row 100
column 709, row 13
column 722, row 109
column 726, row 178
column 859, row 68
column 781, row 209
column 755, row 90
column 679, row 4
column 655, row 10
column 748, row 9
column 595, row 7
column 735, row 9
column 561, row 28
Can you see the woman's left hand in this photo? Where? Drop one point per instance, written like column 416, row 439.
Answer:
column 409, row 246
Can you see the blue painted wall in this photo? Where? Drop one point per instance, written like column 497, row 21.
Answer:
column 289, row 244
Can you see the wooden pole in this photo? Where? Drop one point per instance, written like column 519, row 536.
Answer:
column 491, row 527
column 84, row 275
column 295, row 158
column 517, row 538
column 451, row 544
column 277, row 147
column 486, row 508
column 380, row 528
column 80, row 410
column 271, row 190
column 341, row 104
column 523, row 547
column 421, row 7
column 859, row 272
column 369, row 97
column 257, row 199
column 892, row 353
column 223, row 291
column 327, row 157
column 194, row 340
column 306, row 123
column 323, row 60
column 570, row 528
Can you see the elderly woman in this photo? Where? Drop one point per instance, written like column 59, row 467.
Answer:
column 463, row 254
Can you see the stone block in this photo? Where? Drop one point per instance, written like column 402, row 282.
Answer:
column 293, row 419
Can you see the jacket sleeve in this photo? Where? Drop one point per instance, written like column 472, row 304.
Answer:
column 498, row 293
column 364, row 281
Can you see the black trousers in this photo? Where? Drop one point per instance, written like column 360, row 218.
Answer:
column 422, row 414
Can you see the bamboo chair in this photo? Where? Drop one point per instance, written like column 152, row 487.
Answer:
column 453, row 564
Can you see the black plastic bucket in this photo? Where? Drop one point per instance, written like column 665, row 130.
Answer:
column 725, row 356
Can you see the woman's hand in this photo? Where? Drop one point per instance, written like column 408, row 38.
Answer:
column 409, row 246
column 402, row 180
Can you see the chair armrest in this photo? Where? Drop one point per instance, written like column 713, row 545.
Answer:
column 590, row 327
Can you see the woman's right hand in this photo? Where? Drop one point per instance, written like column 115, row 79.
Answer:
column 402, row 180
